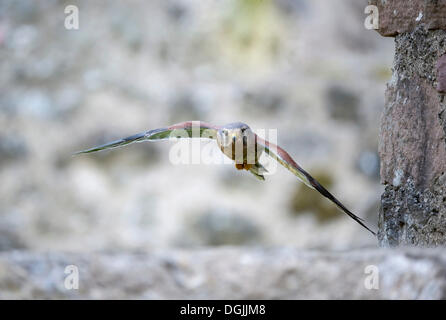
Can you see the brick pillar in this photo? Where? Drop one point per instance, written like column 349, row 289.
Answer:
column 413, row 125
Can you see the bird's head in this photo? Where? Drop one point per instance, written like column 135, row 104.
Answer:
column 235, row 132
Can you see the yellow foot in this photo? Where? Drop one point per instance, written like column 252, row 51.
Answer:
column 247, row 166
column 241, row 166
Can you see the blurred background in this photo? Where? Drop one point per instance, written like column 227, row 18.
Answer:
column 306, row 68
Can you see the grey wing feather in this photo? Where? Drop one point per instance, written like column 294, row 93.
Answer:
column 181, row 130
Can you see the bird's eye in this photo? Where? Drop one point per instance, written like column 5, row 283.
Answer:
column 243, row 129
column 225, row 132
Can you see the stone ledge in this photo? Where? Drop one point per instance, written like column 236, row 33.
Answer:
column 399, row 16
column 226, row 273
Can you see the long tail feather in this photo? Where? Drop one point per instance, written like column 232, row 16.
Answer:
column 285, row 159
column 316, row 185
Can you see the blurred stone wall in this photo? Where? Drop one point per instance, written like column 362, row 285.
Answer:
column 295, row 66
column 226, row 273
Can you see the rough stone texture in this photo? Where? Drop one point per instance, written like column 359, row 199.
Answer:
column 412, row 142
column 412, row 216
column 413, row 145
column 441, row 74
column 227, row 273
column 400, row 16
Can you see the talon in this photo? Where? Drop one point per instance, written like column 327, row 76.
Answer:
column 239, row 166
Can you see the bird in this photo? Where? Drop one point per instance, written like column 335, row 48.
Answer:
column 239, row 143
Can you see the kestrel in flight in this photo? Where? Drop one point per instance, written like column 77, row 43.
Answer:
column 239, row 143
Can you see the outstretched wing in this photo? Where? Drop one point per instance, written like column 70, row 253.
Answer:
column 285, row 160
column 189, row 129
